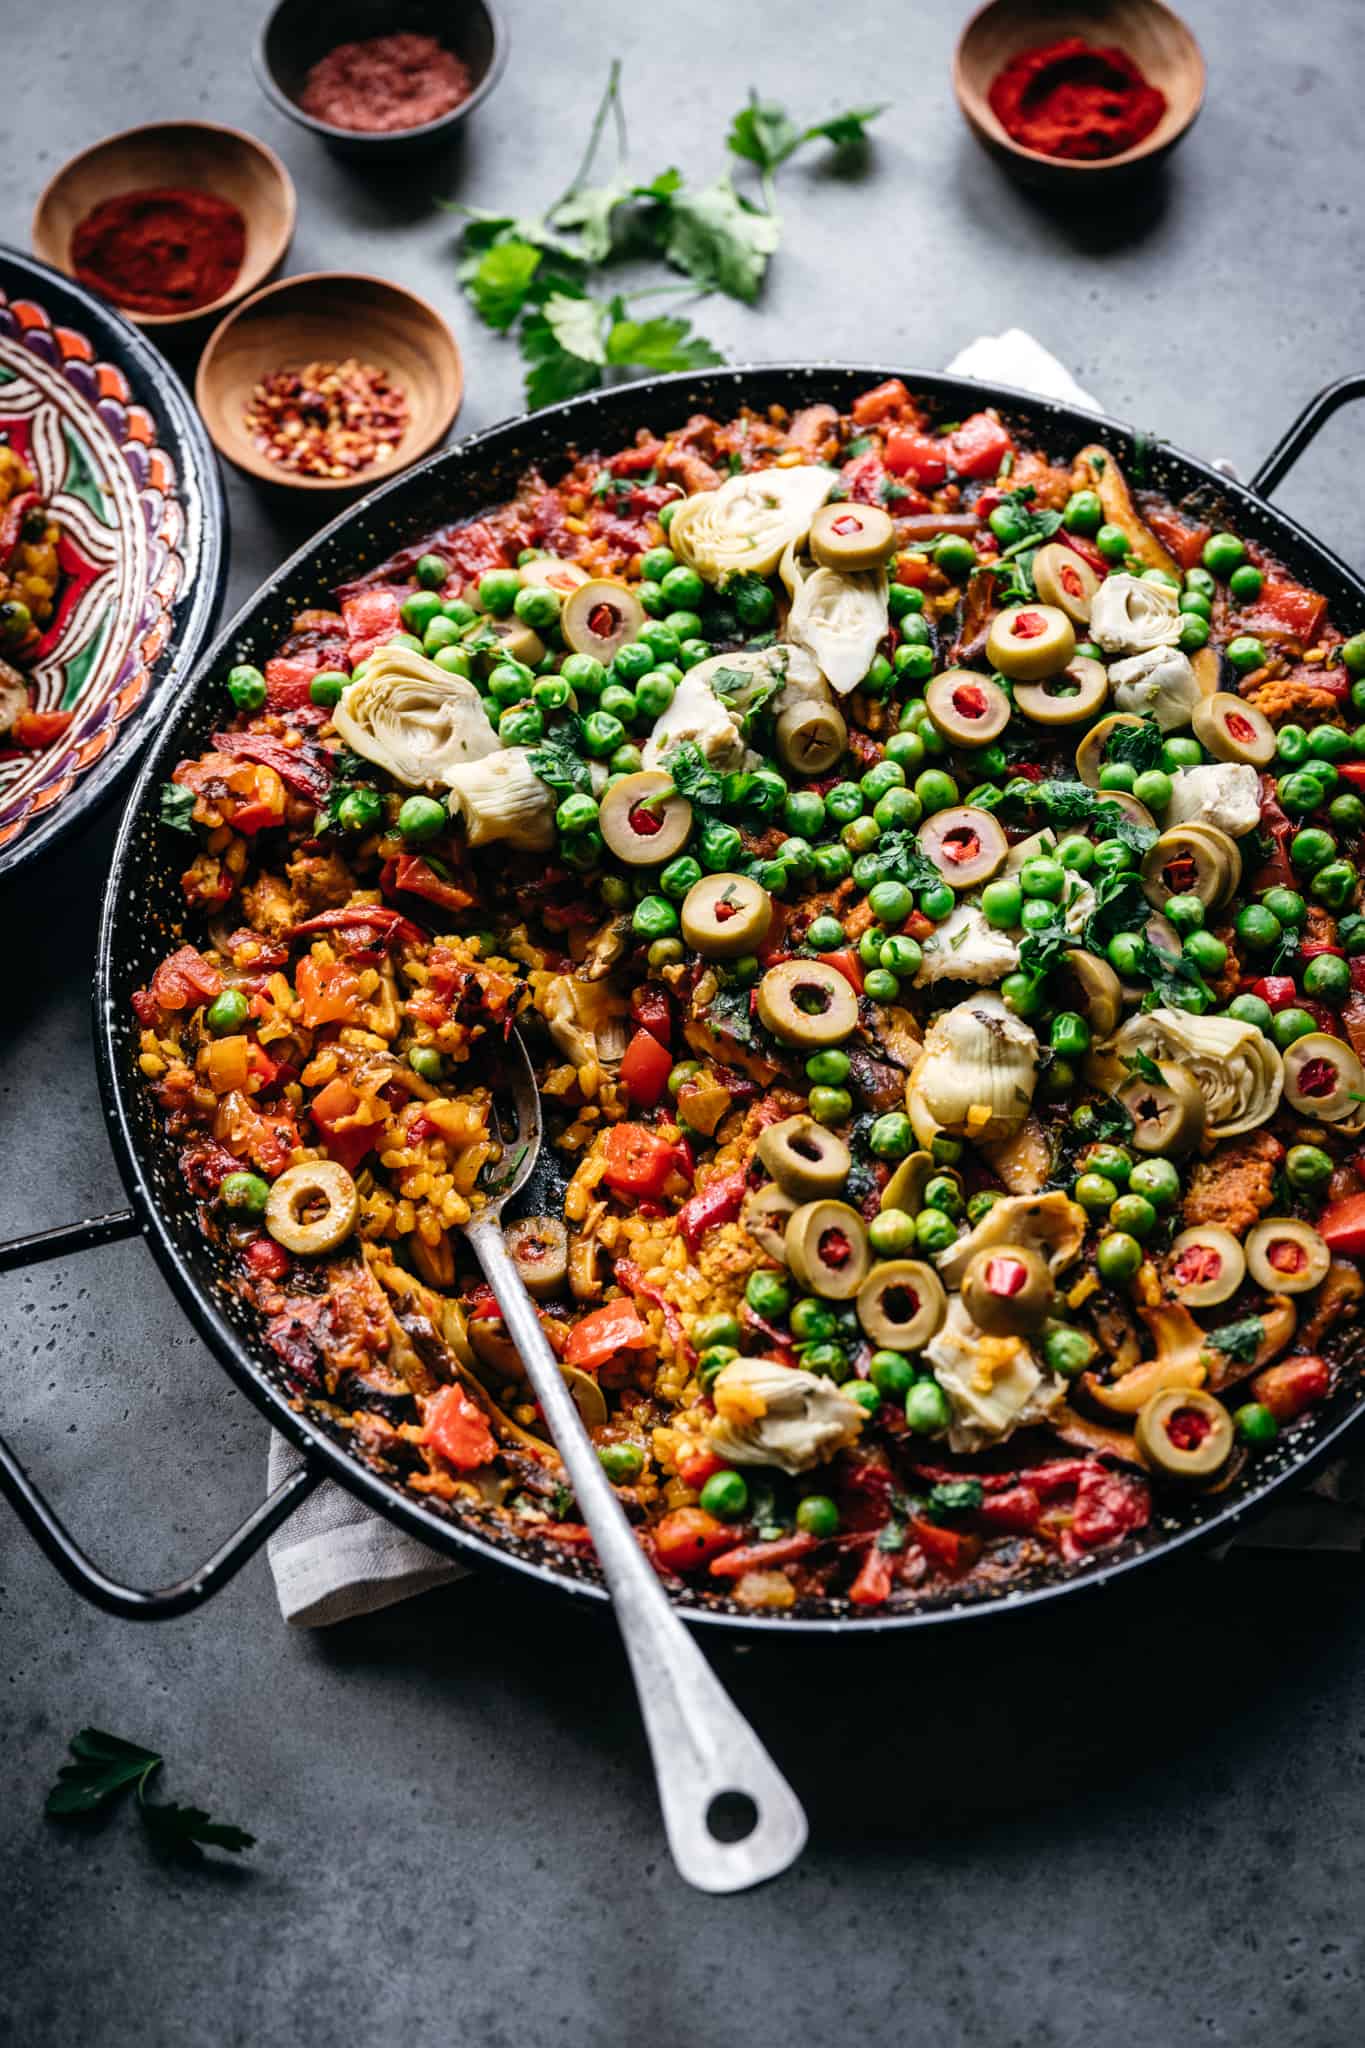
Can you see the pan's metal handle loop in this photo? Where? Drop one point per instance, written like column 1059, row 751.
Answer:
column 1304, row 431
column 707, row 1760
column 130, row 1603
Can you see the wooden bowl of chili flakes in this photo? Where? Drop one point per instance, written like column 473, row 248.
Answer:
column 333, row 381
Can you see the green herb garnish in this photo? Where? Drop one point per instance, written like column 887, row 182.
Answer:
column 175, row 807
column 107, row 1766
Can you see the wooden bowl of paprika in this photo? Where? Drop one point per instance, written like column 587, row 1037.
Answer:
column 172, row 224
column 1063, row 93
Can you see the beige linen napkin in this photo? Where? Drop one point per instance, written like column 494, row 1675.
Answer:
column 334, row 1559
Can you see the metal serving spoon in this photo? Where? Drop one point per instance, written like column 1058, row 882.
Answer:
column 703, row 1748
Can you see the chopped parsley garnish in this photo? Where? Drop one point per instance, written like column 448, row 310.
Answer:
column 955, row 1497
column 175, row 807
column 557, row 764
column 693, row 778
column 1239, row 1341
column 1139, row 745
column 728, row 1013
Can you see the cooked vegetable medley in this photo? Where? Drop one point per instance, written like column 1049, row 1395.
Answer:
column 924, row 869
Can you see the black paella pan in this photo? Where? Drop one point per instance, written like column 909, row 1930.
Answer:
column 142, row 905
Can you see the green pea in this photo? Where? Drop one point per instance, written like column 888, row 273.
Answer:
column 681, row 1073
column 1353, row 654
column 227, row 1013
column 521, row 727
column 629, row 664
column 719, row 847
column 682, row 586
column 825, row 934
column 914, row 661
column 360, row 810
column 1067, row 1351
column 902, row 599
column 1118, row 1256
column 421, row 818
column 1075, row 853
column 1351, row 932
column 1335, row 885
column 860, row 835
column 1083, row 513
column 247, row 687
column 767, row 792
column 936, row 790
column 928, row 1410
column 432, row 571
column 844, row 802
column 1110, row 1160
column 891, row 1232
column 1307, row 1167
column 891, row 902
column 832, row 862
column 602, row 733
column 510, row 682
column 1245, row 584
column 881, row 985
column 1181, row 752
column 537, row 606
column 830, row 1105
column 1327, row 976
column 936, row 901
column 955, row 556
column 1112, row 543
column 1002, row 903
column 1255, row 1424
column 418, row 610
column 725, row 1495
column 625, row 759
column 652, row 599
column 752, row 600
column 1124, row 953
column 812, row 1321
column 1186, row 913
column 1154, row 788
column 619, row 702
column 1199, row 579
column 1312, row 849
column 1042, row 877
column 891, row 1136
column 1251, row 1010
column 1347, row 812
column 1157, row 1180
column 654, row 918
column 767, row 1294
column 680, row 876
column 1196, row 604
column 621, row 1462
column 1329, row 743
column 1290, row 1024
column 797, row 856
column 1070, row 1034
column 1023, row 994
column 426, row 1063
column 1259, row 930
column 901, row 955
column 1245, row 653
column 934, row 1231
column 1119, row 775
column 1037, row 915
column 584, row 853
column 1135, row 1215
column 1094, row 1193
column 1223, row 553
column 891, row 1374
column 870, row 946
column 1299, row 793
column 246, row 1194
column 1208, row 953
column 454, row 661
column 817, row 1515
column 660, row 639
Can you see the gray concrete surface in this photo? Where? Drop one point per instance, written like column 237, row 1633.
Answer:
column 1139, row 1820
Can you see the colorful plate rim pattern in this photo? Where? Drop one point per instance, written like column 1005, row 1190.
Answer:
column 109, row 429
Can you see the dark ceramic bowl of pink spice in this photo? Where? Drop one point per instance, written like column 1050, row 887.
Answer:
column 381, row 78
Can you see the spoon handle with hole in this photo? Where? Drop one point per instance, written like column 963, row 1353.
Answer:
column 701, row 1744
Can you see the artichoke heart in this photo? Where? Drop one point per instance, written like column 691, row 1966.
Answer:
column 976, row 1075
column 839, row 617
column 1237, row 1070
column 1159, row 684
column 744, row 526
column 412, row 719
column 771, row 1414
column 713, row 704
column 1130, row 616
column 994, row 1384
column 502, row 797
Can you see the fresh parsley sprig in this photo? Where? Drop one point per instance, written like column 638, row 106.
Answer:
column 105, row 1767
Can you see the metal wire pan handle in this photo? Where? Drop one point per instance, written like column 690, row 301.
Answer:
column 707, row 1759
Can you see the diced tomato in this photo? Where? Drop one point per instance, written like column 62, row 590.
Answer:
column 1016, row 1510
column 1285, row 608
column 921, row 456
column 1276, row 989
column 638, row 1161
column 720, row 1201
column 847, row 963
column 39, row 728
column 1177, row 536
column 330, row 1110
column 890, row 400
column 872, row 1586
column 475, row 547
column 415, row 876
column 758, row 1557
column 645, row 1068
column 912, row 568
column 1087, row 551
column 1341, row 1226
column 635, row 461
column 185, row 980
column 287, row 677
column 697, row 1463
column 1109, row 1506
column 952, row 1550
column 650, row 1008
column 616, row 1326
column 1293, row 1386
column 457, row 1428
column 328, row 991
column 979, row 446
column 864, row 478
column 268, row 1260
column 371, row 616
column 689, row 1537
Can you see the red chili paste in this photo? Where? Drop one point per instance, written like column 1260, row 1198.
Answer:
column 1070, row 99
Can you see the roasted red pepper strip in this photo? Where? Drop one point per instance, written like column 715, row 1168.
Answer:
column 415, row 876
column 391, row 923
column 1341, row 1226
column 758, row 1557
column 718, row 1202
column 306, row 769
column 952, row 1550
column 1293, row 1386
column 629, row 1275
column 876, row 1575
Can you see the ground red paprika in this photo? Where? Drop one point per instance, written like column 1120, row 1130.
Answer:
column 1071, row 99
column 162, row 250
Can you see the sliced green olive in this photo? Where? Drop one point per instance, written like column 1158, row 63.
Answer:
column 848, row 536
column 1323, row 1078
column 726, row 916
column 312, row 1208
column 492, row 1346
column 1208, row 670
column 807, row 1002
column 1184, row 1433
column 1090, row 986
column 551, row 572
column 1030, row 640
column 827, row 1249
column 969, row 709
column 804, row 1158
column 644, row 821
column 1007, row 1289
column 1205, row 1265
column 1192, row 860
column 1286, row 1257
column 905, row 1189
column 1234, row 730
column 517, row 642
column 901, row 1304
column 966, row 845
column 1168, row 1115
column 810, row 737
column 539, row 1246
column 1070, row 697
column 1061, row 578
column 588, row 1397
column 1090, row 752
column 765, row 1215
column 599, row 617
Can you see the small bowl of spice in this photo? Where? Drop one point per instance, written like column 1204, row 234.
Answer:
column 1062, row 93
column 381, row 78
column 329, row 382
column 172, row 223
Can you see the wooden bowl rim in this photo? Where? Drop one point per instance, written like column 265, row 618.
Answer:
column 979, row 112
column 255, row 465
column 378, row 137
column 237, row 291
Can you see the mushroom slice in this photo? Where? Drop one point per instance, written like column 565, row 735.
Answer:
column 1007, row 1290
column 588, row 1397
column 1285, row 1256
column 1168, row 1115
column 804, row 1158
column 1070, row 697
column 966, row 845
column 1234, row 730
column 551, row 572
column 1097, row 469
column 1050, row 1223
column 413, row 719
column 1192, row 860
column 969, row 709
column 765, row 1216
column 1062, row 578
column 726, row 916
column 1205, row 1265
column 1179, row 1362
column 810, row 736
column 807, row 1003
column 1323, row 1078
column 905, row 1189
column 849, row 536
column 827, row 1249
column 312, row 1207
column 539, row 1246
column 901, row 1304
column 643, row 819
column 1028, row 641
column 1184, row 1433
column 599, row 617
column 1090, row 753
column 1129, row 615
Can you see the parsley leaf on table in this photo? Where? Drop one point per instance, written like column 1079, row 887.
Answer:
column 657, row 344
column 764, row 134
column 500, row 281
column 719, row 239
column 106, row 1766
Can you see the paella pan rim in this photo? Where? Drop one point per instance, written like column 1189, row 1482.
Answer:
column 125, row 921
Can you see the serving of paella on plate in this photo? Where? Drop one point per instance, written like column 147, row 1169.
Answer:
column 923, row 865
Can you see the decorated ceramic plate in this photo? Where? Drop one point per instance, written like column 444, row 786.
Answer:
column 112, row 551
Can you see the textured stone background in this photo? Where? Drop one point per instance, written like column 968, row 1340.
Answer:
column 1138, row 1819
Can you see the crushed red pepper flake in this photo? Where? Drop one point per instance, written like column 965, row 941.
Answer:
column 328, row 419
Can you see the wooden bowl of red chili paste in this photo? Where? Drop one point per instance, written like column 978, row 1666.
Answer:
column 1060, row 92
